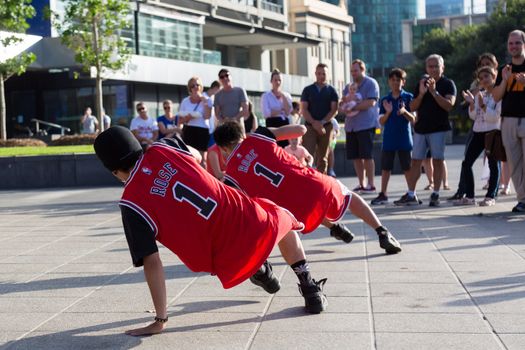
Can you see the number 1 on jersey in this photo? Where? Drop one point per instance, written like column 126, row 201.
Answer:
column 205, row 206
column 261, row 170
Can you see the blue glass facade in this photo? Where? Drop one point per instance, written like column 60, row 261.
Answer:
column 441, row 8
column 377, row 36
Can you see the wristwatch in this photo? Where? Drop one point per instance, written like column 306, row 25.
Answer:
column 436, row 93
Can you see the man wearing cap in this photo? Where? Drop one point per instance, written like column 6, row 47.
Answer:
column 211, row 227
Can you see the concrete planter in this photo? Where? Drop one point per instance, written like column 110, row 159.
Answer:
column 72, row 170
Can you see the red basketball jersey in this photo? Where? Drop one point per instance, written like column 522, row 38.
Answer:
column 210, row 226
column 261, row 168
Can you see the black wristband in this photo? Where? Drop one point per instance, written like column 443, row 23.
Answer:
column 161, row 320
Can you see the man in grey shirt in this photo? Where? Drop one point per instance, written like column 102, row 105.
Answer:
column 231, row 103
column 360, row 129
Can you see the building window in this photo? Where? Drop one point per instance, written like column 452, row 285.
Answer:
column 169, row 38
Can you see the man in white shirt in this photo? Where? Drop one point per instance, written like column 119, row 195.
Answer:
column 143, row 127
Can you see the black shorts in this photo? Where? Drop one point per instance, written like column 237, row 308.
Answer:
column 387, row 160
column 360, row 144
column 276, row 122
column 196, row 137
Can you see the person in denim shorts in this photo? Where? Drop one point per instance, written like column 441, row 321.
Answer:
column 433, row 99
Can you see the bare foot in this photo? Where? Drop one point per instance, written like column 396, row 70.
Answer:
column 153, row 328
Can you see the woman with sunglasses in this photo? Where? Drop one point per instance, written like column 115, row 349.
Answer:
column 195, row 114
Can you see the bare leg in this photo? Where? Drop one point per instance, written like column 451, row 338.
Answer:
column 291, row 248
column 385, row 177
column 359, row 208
column 438, row 173
column 414, row 174
column 331, row 160
column 429, row 170
column 359, row 167
column 370, row 167
column 445, row 176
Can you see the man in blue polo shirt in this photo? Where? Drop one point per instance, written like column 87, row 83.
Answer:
column 395, row 117
column 360, row 129
column 319, row 106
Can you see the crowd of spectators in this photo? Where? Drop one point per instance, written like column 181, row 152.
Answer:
column 414, row 124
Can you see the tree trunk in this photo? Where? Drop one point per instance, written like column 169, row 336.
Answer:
column 3, row 117
column 99, row 101
column 98, row 79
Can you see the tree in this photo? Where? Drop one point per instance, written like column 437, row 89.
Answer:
column 13, row 19
column 91, row 28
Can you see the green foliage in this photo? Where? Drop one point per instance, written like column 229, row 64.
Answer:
column 91, row 28
column 40, row 151
column 461, row 48
column 13, row 18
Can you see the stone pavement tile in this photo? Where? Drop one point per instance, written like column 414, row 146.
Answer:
column 333, row 276
column 8, row 336
column 466, row 255
column 488, row 278
column 295, row 319
column 408, row 266
column 505, row 302
column 134, row 302
column 488, row 266
column 66, row 340
column 91, row 322
column 438, row 277
column 223, row 340
column 190, row 304
column 210, row 287
column 35, row 258
column 513, row 341
column 25, row 268
column 507, row 323
column 430, row 323
column 417, row 290
column 433, row 341
column 306, row 340
column 57, row 285
column 423, row 304
column 337, row 263
column 331, row 288
column 335, row 304
column 27, row 305
column 17, row 322
column 104, row 268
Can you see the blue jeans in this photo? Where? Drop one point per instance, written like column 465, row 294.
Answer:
column 475, row 146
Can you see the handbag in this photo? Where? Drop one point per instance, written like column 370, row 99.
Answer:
column 494, row 145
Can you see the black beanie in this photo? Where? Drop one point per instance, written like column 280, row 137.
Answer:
column 115, row 146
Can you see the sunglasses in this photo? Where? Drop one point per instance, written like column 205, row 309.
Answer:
column 167, row 107
column 141, row 109
column 224, row 76
column 195, row 85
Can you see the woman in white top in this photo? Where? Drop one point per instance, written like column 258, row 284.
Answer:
column 486, row 114
column 195, row 113
column 276, row 105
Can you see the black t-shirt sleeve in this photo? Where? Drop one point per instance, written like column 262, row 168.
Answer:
column 449, row 88
column 261, row 130
column 140, row 236
column 175, row 142
column 498, row 78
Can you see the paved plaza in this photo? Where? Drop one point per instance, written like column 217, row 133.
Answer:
column 66, row 281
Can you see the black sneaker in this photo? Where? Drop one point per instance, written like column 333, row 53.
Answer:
column 455, row 197
column 380, row 199
column 314, row 300
column 389, row 243
column 434, row 200
column 407, row 200
column 266, row 280
column 341, row 233
column 519, row 208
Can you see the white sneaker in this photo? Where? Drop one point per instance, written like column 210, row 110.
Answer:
column 465, row 201
column 487, row 202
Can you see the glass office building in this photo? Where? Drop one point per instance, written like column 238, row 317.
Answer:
column 442, row 8
column 377, row 36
